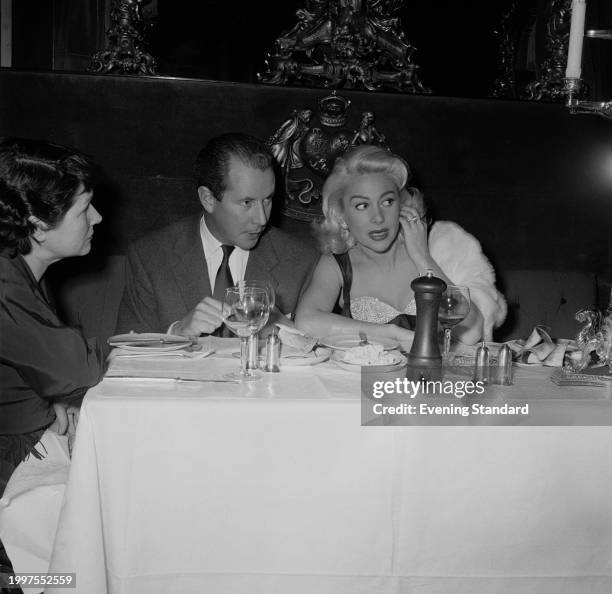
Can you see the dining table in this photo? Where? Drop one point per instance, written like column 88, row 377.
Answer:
column 185, row 480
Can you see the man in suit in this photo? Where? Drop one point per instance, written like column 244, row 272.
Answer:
column 176, row 276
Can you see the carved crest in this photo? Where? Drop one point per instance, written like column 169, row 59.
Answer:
column 306, row 147
column 345, row 43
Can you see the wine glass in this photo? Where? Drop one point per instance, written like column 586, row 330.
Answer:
column 261, row 284
column 253, row 350
column 245, row 312
column 454, row 307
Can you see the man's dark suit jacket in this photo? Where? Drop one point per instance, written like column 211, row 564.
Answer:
column 166, row 274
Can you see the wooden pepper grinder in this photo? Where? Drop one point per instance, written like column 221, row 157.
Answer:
column 424, row 359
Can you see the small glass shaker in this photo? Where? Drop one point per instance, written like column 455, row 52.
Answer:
column 273, row 352
column 481, row 368
column 504, row 366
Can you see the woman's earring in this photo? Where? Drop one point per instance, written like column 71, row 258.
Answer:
column 39, row 233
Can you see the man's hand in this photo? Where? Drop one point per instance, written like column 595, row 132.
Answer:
column 205, row 318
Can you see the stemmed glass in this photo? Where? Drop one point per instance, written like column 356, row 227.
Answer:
column 261, row 284
column 253, row 352
column 245, row 312
column 454, row 307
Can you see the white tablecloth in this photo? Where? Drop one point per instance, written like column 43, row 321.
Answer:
column 274, row 487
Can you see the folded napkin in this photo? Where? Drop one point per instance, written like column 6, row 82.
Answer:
column 170, row 369
column 149, row 354
column 541, row 349
column 292, row 337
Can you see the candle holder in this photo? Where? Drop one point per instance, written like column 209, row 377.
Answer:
column 574, row 88
column 547, row 26
column 549, row 85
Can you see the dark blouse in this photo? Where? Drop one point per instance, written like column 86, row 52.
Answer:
column 41, row 359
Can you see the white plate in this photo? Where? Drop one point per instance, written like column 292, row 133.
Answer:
column 318, row 355
column 400, row 361
column 150, row 342
column 342, row 342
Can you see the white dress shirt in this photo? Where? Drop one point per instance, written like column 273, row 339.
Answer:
column 214, row 255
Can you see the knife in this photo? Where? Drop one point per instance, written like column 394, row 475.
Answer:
column 175, row 379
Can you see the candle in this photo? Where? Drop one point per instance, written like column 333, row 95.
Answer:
column 574, row 53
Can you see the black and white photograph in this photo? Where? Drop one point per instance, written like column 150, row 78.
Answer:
column 305, row 297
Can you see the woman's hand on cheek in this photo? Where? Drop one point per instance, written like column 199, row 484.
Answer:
column 409, row 213
column 415, row 234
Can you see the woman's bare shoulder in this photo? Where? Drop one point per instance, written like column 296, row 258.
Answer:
column 328, row 268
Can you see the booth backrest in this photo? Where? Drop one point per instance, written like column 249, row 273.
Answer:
column 546, row 298
column 91, row 298
column 529, row 180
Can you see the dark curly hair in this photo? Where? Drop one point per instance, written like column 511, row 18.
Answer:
column 212, row 163
column 37, row 179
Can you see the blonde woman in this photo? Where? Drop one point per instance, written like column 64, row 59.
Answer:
column 375, row 240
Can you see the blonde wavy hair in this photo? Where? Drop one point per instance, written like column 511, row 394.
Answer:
column 331, row 233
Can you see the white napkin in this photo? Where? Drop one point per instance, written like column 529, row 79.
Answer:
column 181, row 369
column 541, row 349
column 292, row 337
column 179, row 354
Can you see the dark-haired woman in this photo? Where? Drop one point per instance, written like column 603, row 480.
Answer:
column 46, row 214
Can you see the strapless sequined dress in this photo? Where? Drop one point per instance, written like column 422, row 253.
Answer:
column 372, row 309
column 367, row 308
